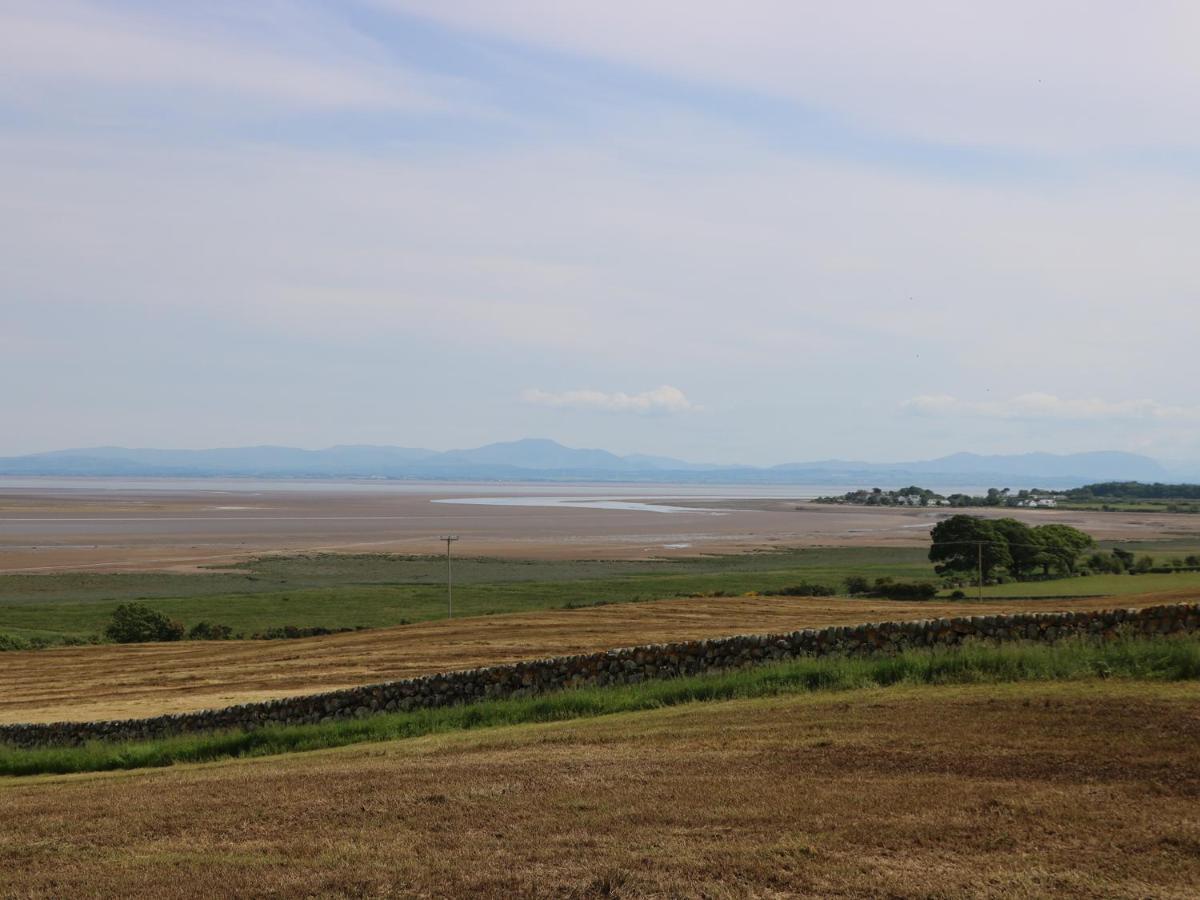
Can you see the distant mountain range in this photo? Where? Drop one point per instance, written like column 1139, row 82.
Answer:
column 539, row 459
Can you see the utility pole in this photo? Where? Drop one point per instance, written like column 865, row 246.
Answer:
column 449, row 539
column 978, row 547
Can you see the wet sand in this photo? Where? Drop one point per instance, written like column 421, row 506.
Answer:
column 88, row 526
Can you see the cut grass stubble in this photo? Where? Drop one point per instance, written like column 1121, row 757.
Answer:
column 1169, row 659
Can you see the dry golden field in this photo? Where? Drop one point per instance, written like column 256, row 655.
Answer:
column 122, row 681
column 1085, row 789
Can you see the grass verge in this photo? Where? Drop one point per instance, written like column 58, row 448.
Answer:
column 1171, row 659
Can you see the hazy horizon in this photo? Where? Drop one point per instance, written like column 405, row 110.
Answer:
column 775, row 233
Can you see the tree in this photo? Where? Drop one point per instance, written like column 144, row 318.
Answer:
column 1144, row 564
column 963, row 543
column 1023, row 547
column 856, row 584
column 1104, row 562
column 136, row 623
column 1061, row 545
column 209, row 631
column 1125, row 557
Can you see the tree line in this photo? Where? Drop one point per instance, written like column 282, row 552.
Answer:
column 1134, row 490
column 971, row 545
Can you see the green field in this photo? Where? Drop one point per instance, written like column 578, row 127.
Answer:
column 372, row 591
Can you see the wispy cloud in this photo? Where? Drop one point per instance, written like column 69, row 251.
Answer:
column 966, row 74
column 663, row 399
column 1048, row 406
column 46, row 48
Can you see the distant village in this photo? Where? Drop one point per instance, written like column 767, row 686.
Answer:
column 917, row 496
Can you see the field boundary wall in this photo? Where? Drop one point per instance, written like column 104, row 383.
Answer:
column 628, row 665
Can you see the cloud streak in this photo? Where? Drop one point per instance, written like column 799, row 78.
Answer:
column 1037, row 405
column 966, row 74
column 664, row 399
column 47, row 50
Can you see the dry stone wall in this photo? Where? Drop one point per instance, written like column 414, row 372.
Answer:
column 625, row 666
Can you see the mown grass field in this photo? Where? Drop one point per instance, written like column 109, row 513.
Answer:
column 1068, row 789
column 372, row 591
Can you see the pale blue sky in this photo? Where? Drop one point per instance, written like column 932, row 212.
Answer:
column 758, row 232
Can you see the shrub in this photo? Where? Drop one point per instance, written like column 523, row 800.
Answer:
column 803, row 589
column 958, row 595
column 1105, row 562
column 290, row 632
column 1144, row 564
column 136, row 623
column 907, row 590
column 209, row 631
column 857, row 584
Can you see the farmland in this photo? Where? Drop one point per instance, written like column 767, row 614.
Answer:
column 1069, row 789
column 337, row 591
column 372, row 591
column 119, row 681
column 1115, row 586
column 743, row 783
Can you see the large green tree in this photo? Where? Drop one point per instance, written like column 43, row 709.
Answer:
column 1061, row 547
column 960, row 544
column 1023, row 547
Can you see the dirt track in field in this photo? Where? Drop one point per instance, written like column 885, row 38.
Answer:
column 124, row 681
column 1082, row 789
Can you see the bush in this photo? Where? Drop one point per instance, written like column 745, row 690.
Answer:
column 1105, row 562
column 291, row 632
column 907, row 590
column 856, row 584
column 136, row 623
column 803, row 589
column 958, row 595
column 209, row 631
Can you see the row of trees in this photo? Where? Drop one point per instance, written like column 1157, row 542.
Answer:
column 967, row 544
column 136, row 623
column 1135, row 490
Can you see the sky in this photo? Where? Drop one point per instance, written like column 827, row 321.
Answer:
column 758, row 232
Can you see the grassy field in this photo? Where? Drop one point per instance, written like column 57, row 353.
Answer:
column 371, row 591
column 1175, row 659
column 1069, row 789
